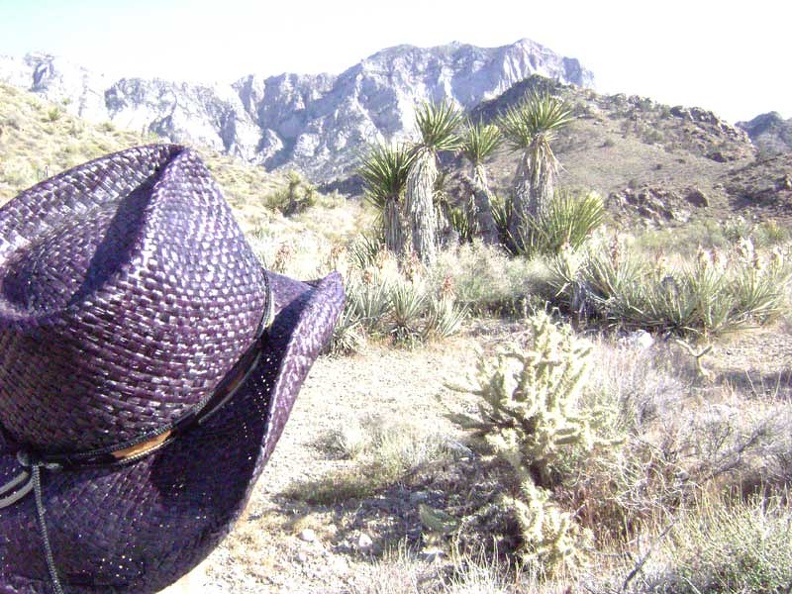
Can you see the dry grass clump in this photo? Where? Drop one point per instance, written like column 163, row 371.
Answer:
column 38, row 139
column 486, row 280
column 401, row 570
column 725, row 546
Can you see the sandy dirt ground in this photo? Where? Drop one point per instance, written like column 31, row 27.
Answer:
column 280, row 546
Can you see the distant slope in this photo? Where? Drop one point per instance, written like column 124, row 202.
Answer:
column 317, row 124
column 771, row 134
column 660, row 163
column 39, row 139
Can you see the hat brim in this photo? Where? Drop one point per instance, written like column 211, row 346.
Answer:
column 140, row 527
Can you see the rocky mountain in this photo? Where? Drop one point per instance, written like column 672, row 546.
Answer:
column 770, row 133
column 655, row 164
column 314, row 123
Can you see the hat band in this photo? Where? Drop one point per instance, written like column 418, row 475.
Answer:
column 144, row 445
column 29, row 479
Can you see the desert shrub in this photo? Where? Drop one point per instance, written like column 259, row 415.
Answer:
column 718, row 291
column 368, row 300
column 365, row 249
column 54, row 114
column 348, row 335
column 568, row 220
column 19, row 173
column 444, row 317
column 407, row 307
column 397, row 304
column 296, row 197
column 485, row 279
column 710, row 234
column 728, row 547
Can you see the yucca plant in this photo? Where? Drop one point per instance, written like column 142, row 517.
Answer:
column 296, row 197
column 369, row 300
column 347, row 334
column 529, row 127
column 444, row 317
column 713, row 294
column 384, row 173
column 761, row 285
column 479, row 142
column 437, row 126
column 365, row 250
column 568, row 221
column 407, row 310
column 461, row 223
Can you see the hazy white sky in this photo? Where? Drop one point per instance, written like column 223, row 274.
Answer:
column 732, row 58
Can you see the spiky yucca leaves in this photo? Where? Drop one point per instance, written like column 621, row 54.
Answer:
column 407, row 308
column 568, row 221
column 384, row 172
column 717, row 292
column 437, row 125
column 444, row 317
column 383, row 302
column 529, row 127
column 479, row 142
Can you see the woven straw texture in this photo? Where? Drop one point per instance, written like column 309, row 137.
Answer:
column 126, row 293
column 145, row 313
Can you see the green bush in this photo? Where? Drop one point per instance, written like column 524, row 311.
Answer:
column 296, row 197
column 568, row 221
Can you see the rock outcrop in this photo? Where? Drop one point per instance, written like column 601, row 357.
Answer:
column 771, row 134
column 318, row 123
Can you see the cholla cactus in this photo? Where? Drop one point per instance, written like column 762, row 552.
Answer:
column 530, row 396
column 550, row 537
column 529, row 413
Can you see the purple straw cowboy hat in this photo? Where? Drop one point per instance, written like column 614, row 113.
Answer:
column 148, row 364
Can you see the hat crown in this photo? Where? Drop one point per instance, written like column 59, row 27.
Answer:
column 127, row 291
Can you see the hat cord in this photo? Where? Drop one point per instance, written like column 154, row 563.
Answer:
column 18, row 487
column 40, row 511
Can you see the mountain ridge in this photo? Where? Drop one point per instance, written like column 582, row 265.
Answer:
column 315, row 123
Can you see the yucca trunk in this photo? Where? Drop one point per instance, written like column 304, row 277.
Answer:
column 482, row 206
column 543, row 170
column 520, row 212
column 533, row 188
column 393, row 226
column 420, row 205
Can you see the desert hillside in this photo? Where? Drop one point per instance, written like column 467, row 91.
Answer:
column 599, row 405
